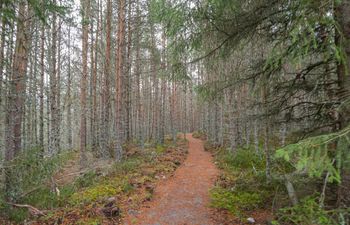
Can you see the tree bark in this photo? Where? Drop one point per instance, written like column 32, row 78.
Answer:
column 83, row 83
column 342, row 15
column 17, row 91
column 105, row 101
column 119, row 80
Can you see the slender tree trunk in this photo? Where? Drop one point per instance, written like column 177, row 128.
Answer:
column 42, row 77
column 139, row 111
column 2, row 54
column 69, row 96
column 267, row 134
column 342, row 16
column 54, row 135
column 58, row 87
column 94, row 49
column 119, row 79
column 104, row 135
column 163, row 92
column 128, row 117
column 83, row 83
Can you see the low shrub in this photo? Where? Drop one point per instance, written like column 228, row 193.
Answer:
column 86, row 180
column 241, row 159
column 30, row 169
column 128, row 165
column 199, row 134
column 309, row 212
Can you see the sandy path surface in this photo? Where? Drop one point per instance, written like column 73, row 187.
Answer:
column 183, row 198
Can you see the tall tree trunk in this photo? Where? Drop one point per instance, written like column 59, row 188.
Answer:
column 342, row 15
column 41, row 91
column 58, row 87
column 17, row 91
column 163, row 91
column 267, row 133
column 69, row 96
column 119, row 78
column 53, row 145
column 94, row 83
column 139, row 110
column 128, row 117
column 2, row 54
column 105, row 101
column 83, row 83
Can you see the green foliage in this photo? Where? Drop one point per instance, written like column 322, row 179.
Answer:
column 242, row 185
column 41, row 8
column 17, row 215
column 128, row 165
column 307, row 212
column 242, row 159
column 86, row 180
column 319, row 154
column 30, row 169
column 27, row 175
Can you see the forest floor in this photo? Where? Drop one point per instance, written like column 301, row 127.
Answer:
column 160, row 185
column 183, row 198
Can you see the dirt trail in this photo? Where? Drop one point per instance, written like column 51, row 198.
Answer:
column 183, row 198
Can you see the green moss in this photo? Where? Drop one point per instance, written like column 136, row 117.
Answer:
column 242, row 186
column 160, row 149
column 94, row 193
column 103, row 189
column 89, row 221
column 235, row 201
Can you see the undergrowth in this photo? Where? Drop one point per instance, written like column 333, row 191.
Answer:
column 89, row 190
column 29, row 175
column 242, row 186
column 309, row 212
column 199, row 134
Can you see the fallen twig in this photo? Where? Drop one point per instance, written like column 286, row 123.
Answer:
column 33, row 211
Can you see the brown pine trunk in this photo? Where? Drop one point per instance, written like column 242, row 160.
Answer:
column 128, row 117
column 119, row 80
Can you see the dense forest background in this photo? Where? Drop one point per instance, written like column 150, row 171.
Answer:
column 268, row 77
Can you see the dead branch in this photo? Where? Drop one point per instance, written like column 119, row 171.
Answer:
column 33, row 211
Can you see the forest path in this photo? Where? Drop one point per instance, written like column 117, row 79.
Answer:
column 183, row 198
